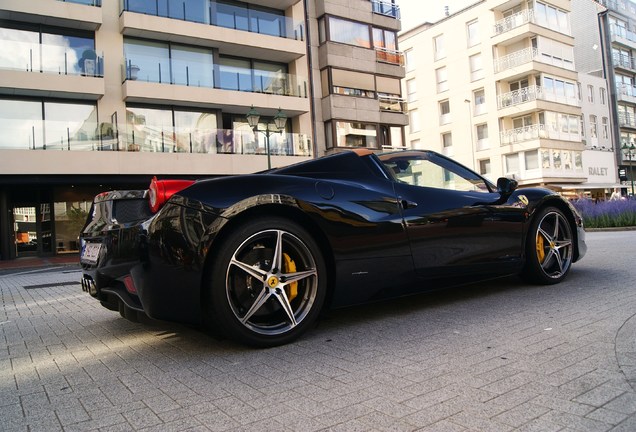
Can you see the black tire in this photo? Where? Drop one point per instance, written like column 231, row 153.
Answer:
column 268, row 283
column 549, row 248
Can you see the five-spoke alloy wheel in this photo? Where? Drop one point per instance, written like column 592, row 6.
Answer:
column 550, row 247
column 268, row 283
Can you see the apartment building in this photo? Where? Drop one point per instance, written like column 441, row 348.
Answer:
column 104, row 94
column 495, row 87
column 617, row 28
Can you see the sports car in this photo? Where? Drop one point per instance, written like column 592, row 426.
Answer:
column 258, row 257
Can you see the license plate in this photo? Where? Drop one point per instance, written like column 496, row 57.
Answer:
column 90, row 253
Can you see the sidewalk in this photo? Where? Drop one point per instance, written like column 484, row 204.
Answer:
column 35, row 262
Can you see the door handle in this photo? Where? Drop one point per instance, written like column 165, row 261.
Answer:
column 406, row 204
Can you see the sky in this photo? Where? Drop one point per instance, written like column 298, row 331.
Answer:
column 415, row 12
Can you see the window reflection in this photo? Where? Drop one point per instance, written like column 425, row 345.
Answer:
column 52, row 125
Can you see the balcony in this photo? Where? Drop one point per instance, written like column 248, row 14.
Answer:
column 201, row 74
column 526, row 133
column 238, row 16
column 623, row 6
column 92, row 136
column 533, row 93
column 626, row 62
column 385, row 8
column 623, row 36
column 50, row 59
column 392, row 103
column 242, row 141
column 384, row 55
column 626, row 120
column 514, row 21
column 626, row 92
column 516, row 59
column 96, row 3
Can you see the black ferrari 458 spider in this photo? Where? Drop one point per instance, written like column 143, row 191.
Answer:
column 258, row 257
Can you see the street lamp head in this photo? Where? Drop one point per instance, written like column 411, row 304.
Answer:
column 280, row 120
column 253, row 117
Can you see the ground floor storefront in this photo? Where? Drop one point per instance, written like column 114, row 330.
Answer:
column 43, row 215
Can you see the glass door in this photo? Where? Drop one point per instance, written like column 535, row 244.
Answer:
column 33, row 229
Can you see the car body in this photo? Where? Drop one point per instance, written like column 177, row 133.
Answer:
column 258, row 257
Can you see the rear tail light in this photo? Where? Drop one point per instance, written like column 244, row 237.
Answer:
column 160, row 191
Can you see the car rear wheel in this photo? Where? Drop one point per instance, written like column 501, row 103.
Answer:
column 268, row 283
column 549, row 248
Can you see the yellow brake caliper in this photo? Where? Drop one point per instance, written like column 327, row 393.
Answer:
column 540, row 250
column 290, row 267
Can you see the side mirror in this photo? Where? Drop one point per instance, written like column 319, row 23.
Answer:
column 506, row 186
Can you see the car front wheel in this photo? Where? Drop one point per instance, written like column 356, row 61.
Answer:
column 549, row 248
column 268, row 283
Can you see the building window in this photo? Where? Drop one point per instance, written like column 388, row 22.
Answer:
column 447, row 140
column 479, row 96
column 593, row 127
column 549, row 16
column 414, row 121
column 582, row 126
column 605, row 127
column 439, row 46
column 349, row 32
column 409, row 60
column 590, row 94
column 476, row 67
column 411, row 90
column 353, row 134
column 484, row 167
column 602, row 95
column 472, row 33
column 37, row 125
column 444, row 112
column 512, row 163
column 482, row 136
column 441, row 76
column 531, row 159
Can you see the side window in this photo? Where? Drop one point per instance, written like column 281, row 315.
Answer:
column 432, row 171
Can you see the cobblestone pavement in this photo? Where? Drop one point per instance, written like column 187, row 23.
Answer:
column 491, row 357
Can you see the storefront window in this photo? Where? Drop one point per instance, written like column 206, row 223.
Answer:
column 69, row 220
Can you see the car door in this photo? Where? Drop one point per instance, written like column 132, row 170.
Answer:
column 456, row 223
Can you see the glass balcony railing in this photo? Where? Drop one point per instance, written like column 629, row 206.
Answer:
column 219, row 141
column 385, row 7
column 97, row 3
column 229, row 14
column 193, row 73
column 53, row 59
column 29, row 134
column 621, row 32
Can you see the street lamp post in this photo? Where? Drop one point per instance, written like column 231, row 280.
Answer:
column 630, row 152
column 280, row 120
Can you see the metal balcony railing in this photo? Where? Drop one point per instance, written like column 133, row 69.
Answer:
column 521, row 134
column 522, row 95
column 626, row 120
column 392, row 103
column 387, row 8
column 621, row 32
column 514, row 21
column 624, row 61
column 516, row 59
column 97, row 3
